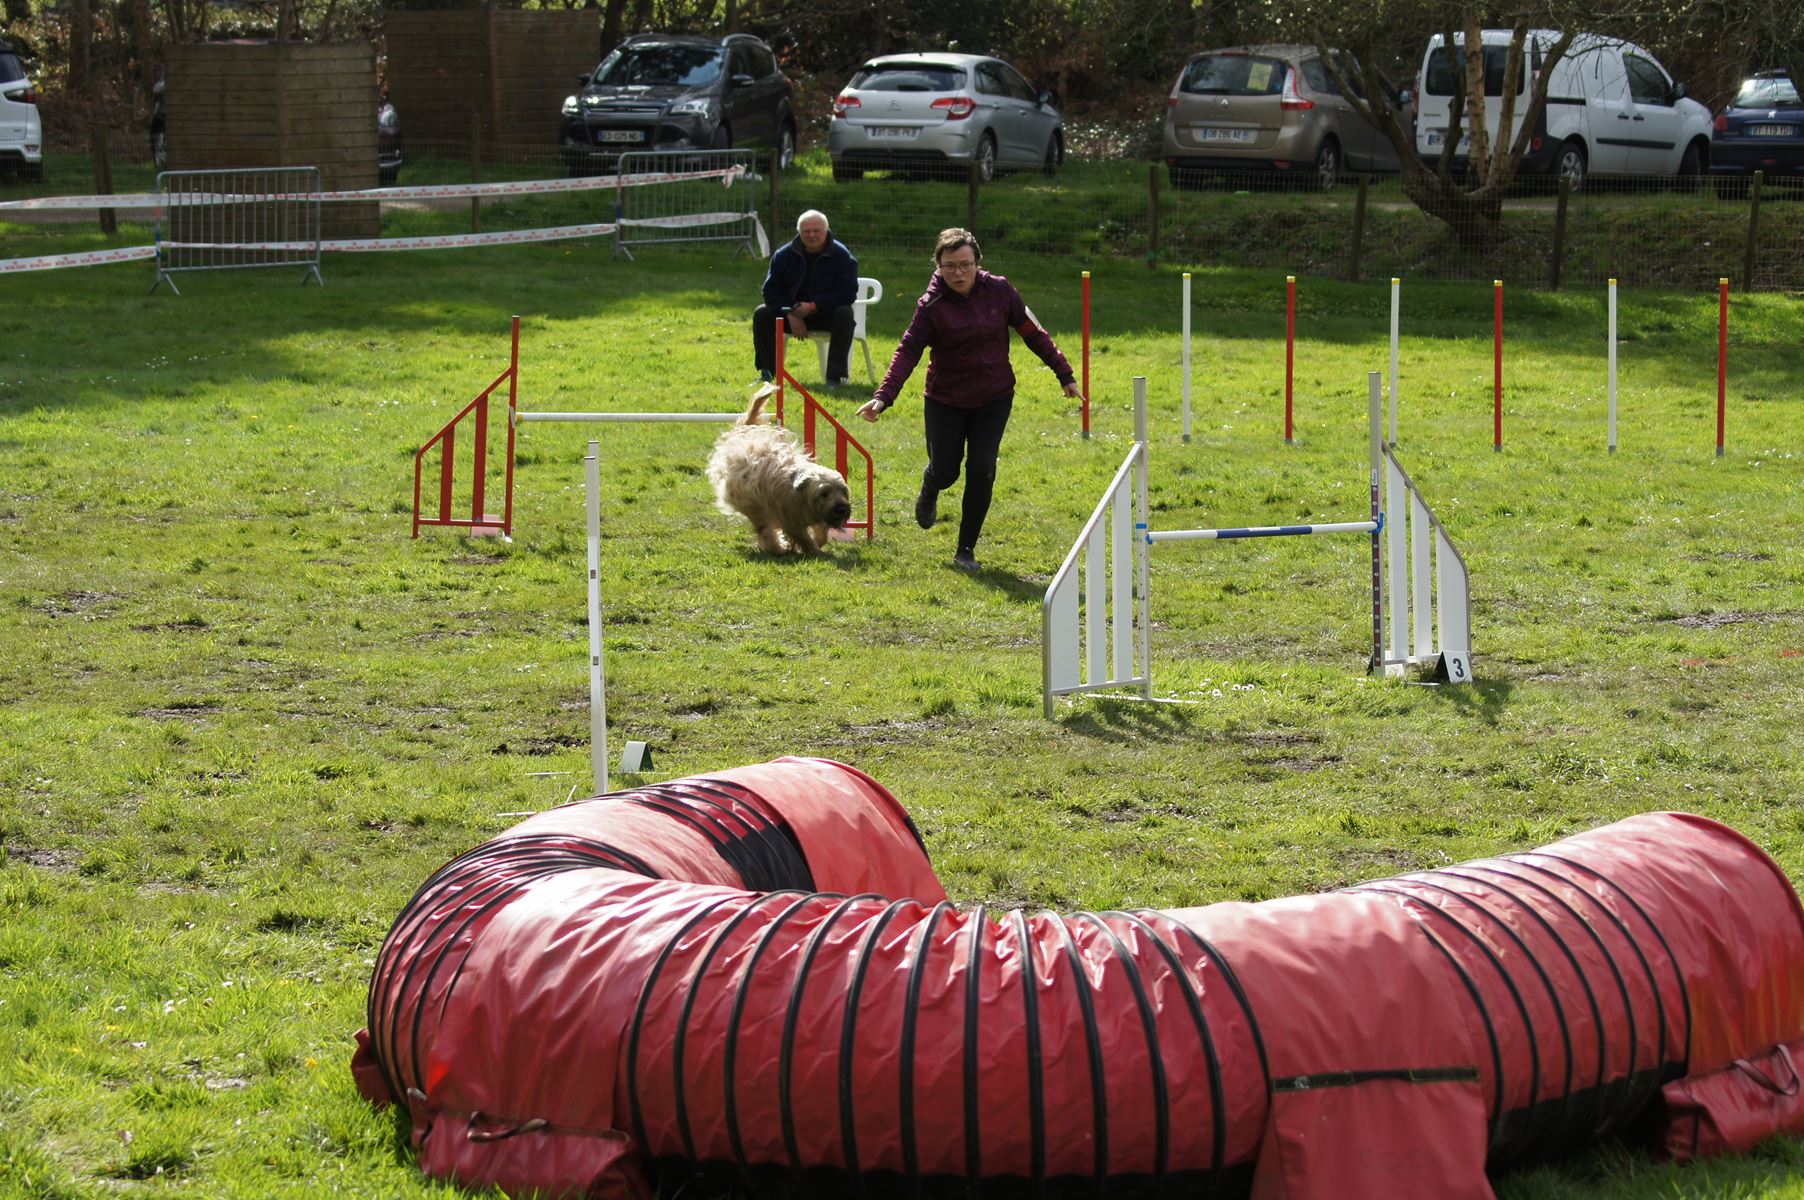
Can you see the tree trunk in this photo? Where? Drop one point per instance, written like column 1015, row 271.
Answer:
column 1476, row 217
column 611, row 22
column 81, row 49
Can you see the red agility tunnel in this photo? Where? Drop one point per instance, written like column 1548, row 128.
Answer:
column 710, row 977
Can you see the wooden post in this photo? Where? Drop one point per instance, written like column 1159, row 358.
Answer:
column 103, row 179
column 475, row 170
column 775, row 170
column 1559, row 234
column 1359, row 228
column 1152, row 199
column 971, row 201
column 1747, row 262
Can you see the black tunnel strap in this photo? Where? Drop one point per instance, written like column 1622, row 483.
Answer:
column 1340, row 1079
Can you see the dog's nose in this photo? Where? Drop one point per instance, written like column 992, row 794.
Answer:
column 841, row 513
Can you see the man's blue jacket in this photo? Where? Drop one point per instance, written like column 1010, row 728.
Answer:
column 832, row 284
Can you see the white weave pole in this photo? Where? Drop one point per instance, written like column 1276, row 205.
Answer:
column 598, row 687
column 1396, row 305
column 1612, row 366
column 1186, row 355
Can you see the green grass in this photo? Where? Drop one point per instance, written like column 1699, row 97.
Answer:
column 246, row 715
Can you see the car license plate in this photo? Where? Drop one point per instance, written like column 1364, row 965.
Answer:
column 1770, row 130
column 1226, row 135
column 902, row 132
column 621, row 135
column 1434, row 138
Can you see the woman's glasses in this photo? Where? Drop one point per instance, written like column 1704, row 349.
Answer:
column 957, row 267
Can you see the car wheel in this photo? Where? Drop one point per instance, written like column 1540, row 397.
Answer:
column 723, row 139
column 845, row 172
column 986, row 158
column 1327, row 165
column 1693, row 164
column 786, row 146
column 1571, row 164
column 1055, row 155
column 1186, row 181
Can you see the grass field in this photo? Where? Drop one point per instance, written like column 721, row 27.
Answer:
column 245, row 715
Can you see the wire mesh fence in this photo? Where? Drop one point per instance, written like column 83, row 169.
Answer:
column 1684, row 232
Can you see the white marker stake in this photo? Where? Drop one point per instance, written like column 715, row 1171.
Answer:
column 1396, row 304
column 1612, row 366
column 598, row 688
column 1186, row 355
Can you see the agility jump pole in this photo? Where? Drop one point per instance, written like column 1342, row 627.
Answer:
column 1497, row 367
column 1612, row 441
column 1186, row 355
column 1396, row 309
column 1086, row 323
column 1722, row 360
column 1290, row 352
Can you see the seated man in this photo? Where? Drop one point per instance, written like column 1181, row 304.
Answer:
column 811, row 284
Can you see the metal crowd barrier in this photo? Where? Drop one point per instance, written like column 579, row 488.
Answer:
column 220, row 220
column 717, row 209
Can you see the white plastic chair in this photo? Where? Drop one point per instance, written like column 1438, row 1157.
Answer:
column 869, row 292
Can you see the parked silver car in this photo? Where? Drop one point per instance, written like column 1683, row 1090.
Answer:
column 919, row 111
column 1270, row 108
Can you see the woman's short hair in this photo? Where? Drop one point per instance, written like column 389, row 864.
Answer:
column 952, row 239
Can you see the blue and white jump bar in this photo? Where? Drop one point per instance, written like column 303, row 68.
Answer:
column 1258, row 531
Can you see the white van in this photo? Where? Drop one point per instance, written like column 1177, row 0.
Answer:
column 1612, row 109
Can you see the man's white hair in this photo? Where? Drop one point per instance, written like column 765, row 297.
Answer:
column 813, row 212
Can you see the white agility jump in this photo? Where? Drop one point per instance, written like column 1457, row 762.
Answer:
column 1095, row 619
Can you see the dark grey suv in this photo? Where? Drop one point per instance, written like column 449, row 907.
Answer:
column 670, row 92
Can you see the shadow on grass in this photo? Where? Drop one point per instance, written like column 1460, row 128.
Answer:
column 1484, row 699
column 1112, row 720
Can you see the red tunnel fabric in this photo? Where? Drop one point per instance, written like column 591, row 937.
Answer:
column 755, row 977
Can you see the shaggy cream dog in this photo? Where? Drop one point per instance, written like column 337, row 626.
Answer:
column 760, row 472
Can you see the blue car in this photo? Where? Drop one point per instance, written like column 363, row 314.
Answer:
column 1762, row 129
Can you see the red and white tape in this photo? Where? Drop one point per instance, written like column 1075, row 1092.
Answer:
column 453, row 241
column 91, row 258
column 138, row 201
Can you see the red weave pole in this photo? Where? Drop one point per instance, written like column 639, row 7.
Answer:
column 781, row 369
column 1290, row 352
column 1086, row 388
column 480, row 456
column 1497, row 368
column 1722, row 359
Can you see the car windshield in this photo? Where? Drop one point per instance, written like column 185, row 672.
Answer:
column 660, row 66
column 1767, row 92
column 908, row 77
column 1233, row 75
column 10, row 70
column 1439, row 82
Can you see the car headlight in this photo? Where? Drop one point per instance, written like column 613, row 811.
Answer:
column 693, row 108
column 570, row 107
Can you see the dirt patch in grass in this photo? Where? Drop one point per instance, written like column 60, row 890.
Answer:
column 76, row 604
column 541, row 746
column 1276, row 738
column 1717, row 620
column 1296, row 762
column 45, row 860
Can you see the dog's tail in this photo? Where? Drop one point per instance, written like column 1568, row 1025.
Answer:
column 754, row 413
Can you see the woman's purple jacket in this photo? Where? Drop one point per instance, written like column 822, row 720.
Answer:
column 969, row 366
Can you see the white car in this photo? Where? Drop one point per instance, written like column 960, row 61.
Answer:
column 1612, row 109
column 21, row 133
column 924, row 111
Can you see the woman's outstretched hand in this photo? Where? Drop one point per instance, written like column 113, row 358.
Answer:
column 870, row 410
column 1071, row 390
